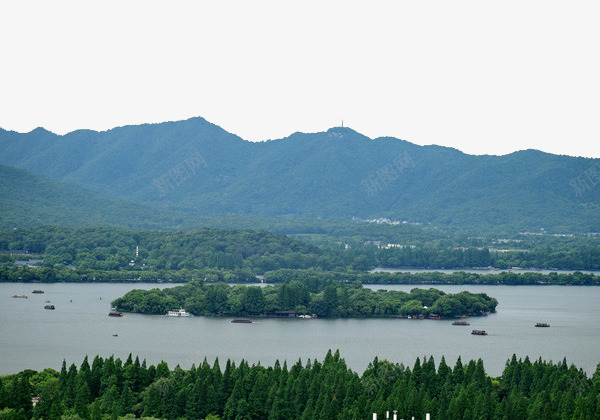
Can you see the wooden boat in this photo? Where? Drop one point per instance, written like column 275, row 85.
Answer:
column 542, row 324
column 478, row 332
column 460, row 323
column 49, row 307
column 242, row 321
column 38, row 291
column 115, row 314
column 20, row 296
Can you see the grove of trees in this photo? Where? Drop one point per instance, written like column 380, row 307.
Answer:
column 109, row 388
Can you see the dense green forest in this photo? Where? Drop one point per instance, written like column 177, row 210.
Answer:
column 113, row 249
column 237, row 256
column 109, row 388
column 311, row 295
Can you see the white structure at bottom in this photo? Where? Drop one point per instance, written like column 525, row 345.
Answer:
column 387, row 416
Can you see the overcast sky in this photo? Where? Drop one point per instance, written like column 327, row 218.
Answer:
column 483, row 77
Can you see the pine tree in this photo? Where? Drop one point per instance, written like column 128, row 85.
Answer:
column 596, row 378
column 19, row 395
column 258, row 398
column 233, row 404
column 162, row 370
column 96, row 376
column 308, row 413
column 151, row 402
column 83, row 397
column 127, row 400
column 56, row 410
column 3, row 395
column 195, row 407
column 458, row 372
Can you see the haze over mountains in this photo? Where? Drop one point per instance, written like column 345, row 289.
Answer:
column 196, row 167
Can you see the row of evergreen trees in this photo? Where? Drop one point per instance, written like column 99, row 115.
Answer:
column 111, row 389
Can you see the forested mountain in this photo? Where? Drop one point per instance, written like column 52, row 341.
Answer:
column 197, row 167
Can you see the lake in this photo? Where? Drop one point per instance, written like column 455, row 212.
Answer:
column 34, row 338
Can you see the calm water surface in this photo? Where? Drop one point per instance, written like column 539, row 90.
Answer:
column 34, row 338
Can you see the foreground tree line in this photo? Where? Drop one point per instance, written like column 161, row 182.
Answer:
column 309, row 296
column 111, row 389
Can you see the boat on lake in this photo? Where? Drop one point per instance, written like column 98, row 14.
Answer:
column 460, row 323
column 20, row 296
column 542, row 324
column 38, row 291
column 478, row 332
column 115, row 314
column 180, row 313
column 49, row 307
column 242, row 321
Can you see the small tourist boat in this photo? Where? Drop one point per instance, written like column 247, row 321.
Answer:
column 242, row 321
column 479, row 332
column 20, row 296
column 49, row 307
column 37, row 291
column 115, row 314
column 542, row 324
column 180, row 312
column 460, row 323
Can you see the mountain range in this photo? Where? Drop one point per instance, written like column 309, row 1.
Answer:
column 193, row 167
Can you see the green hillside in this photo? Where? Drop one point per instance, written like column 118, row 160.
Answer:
column 196, row 167
column 29, row 200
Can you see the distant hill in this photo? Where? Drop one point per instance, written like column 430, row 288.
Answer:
column 197, row 167
column 30, row 200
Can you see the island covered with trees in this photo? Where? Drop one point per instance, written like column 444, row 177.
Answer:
column 109, row 388
column 309, row 296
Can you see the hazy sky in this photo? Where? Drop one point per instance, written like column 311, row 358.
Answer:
column 484, row 77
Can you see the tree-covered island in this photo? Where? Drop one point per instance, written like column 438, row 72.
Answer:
column 311, row 296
